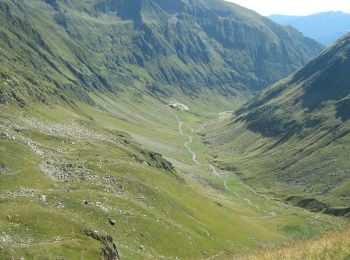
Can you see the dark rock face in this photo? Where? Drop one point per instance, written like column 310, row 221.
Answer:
column 193, row 46
column 160, row 162
column 343, row 109
column 53, row 3
column 316, row 206
column 109, row 249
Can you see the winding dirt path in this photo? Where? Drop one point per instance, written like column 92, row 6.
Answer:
column 215, row 172
column 190, row 140
column 194, row 155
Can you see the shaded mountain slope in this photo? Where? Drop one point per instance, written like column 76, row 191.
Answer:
column 64, row 49
column 294, row 137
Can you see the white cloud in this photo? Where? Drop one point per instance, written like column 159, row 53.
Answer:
column 294, row 7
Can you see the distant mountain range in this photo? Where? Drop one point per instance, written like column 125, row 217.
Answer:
column 325, row 27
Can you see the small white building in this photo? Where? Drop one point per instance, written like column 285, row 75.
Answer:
column 179, row 106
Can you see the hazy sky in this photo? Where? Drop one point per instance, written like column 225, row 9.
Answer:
column 294, row 7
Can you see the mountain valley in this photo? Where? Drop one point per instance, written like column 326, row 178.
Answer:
column 125, row 132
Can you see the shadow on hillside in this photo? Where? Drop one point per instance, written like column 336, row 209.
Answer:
column 314, row 205
column 343, row 109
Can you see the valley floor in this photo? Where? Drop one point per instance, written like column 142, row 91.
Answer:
column 82, row 181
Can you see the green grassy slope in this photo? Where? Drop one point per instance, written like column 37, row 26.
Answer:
column 66, row 171
column 54, row 51
column 331, row 246
column 93, row 159
column 293, row 139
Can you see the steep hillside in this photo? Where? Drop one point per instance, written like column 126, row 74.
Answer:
column 120, row 178
column 325, row 28
column 294, row 137
column 94, row 163
column 64, row 49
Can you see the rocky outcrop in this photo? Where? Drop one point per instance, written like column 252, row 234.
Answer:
column 109, row 249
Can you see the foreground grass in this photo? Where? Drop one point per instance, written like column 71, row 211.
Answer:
column 68, row 170
column 331, row 246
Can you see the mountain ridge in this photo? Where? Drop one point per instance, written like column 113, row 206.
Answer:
column 298, row 131
column 163, row 47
